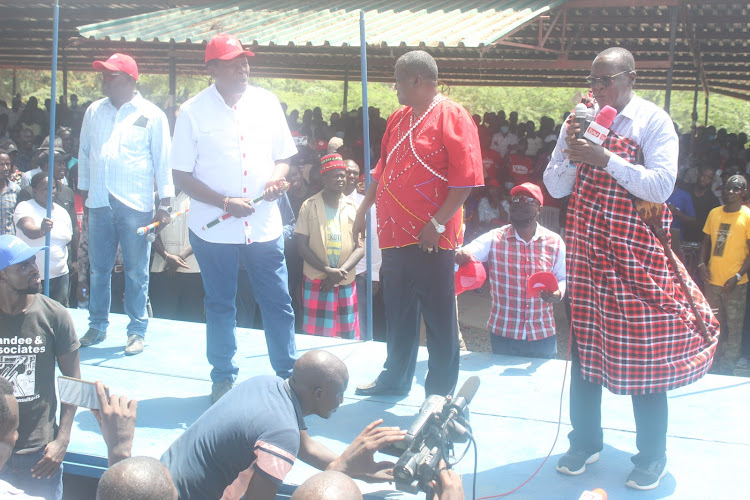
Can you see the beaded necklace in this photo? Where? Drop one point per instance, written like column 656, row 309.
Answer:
column 412, row 126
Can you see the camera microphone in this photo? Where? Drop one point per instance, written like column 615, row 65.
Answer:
column 465, row 395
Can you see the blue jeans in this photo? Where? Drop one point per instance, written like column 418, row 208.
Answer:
column 109, row 226
column 266, row 270
column 545, row 348
column 17, row 472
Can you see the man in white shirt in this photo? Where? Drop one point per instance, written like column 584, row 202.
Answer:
column 503, row 139
column 124, row 147
column 231, row 145
column 633, row 330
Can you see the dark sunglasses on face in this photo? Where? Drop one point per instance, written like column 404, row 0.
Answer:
column 734, row 189
column 523, row 199
column 594, row 81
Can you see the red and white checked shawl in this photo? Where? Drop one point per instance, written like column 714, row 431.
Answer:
column 634, row 327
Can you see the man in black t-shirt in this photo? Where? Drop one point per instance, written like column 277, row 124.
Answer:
column 35, row 331
column 704, row 201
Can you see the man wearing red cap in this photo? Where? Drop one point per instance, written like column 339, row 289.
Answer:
column 521, row 325
column 231, row 145
column 124, row 148
column 325, row 242
column 431, row 160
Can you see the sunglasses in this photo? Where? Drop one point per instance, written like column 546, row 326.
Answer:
column 594, row 81
column 524, row 199
column 734, row 189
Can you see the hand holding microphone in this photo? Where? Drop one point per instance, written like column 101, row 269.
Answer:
column 587, row 148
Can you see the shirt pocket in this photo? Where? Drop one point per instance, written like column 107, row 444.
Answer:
column 135, row 139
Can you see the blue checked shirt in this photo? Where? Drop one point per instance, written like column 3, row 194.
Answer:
column 122, row 151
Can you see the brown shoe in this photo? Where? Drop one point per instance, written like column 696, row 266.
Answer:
column 134, row 345
column 93, row 336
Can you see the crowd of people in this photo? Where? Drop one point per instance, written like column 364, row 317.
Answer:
column 261, row 223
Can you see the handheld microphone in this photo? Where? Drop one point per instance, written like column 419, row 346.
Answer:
column 598, row 130
column 580, row 115
column 580, row 112
column 465, row 395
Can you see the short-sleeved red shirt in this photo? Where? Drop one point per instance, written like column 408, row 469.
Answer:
column 408, row 193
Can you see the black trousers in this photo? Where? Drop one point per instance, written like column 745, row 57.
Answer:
column 419, row 283
column 649, row 410
column 178, row 297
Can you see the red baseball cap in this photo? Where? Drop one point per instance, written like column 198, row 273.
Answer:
column 118, row 62
column 470, row 276
column 225, row 47
column 531, row 189
column 542, row 280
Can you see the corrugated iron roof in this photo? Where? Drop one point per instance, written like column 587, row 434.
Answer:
column 411, row 23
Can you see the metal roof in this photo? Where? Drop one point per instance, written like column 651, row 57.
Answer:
column 412, row 23
column 508, row 43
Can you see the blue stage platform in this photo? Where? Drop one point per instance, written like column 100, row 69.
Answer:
column 514, row 415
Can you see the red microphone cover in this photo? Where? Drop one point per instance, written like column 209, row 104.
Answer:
column 606, row 116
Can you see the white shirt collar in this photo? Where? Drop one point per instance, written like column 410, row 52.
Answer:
column 537, row 234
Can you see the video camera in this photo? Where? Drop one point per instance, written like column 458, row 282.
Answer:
column 441, row 422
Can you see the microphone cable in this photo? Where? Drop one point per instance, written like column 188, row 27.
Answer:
column 557, row 433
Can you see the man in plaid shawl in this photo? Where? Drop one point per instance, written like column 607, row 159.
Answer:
column 633, row 329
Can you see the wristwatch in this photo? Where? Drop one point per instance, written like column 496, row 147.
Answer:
column 166, row 208
column 439, row 228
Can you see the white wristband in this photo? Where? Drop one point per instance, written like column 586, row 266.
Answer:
column 738, row 276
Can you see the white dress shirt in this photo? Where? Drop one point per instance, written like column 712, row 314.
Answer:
column 233, row 150
column 377, row 253
column 501, row 143
column 122, row 151
column 651, row 128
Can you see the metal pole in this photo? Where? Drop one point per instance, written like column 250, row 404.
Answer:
column 694, row 117
column 51, row 161
column 65, row 78
column 705, row 123
column 172, row 88
column 672, row 39
column 366, row 136
column 15, row 83
column 346, row 90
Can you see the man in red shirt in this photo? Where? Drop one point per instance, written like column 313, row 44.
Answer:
column 430, row 160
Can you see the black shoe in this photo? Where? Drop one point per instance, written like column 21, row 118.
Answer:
column 93, row 336
column 219, row 389
column 646, row 476
column 377, row 387
column 575, row 460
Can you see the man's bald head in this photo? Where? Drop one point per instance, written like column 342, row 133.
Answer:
column 419, row 63
column 328, row 486
column 137, row 478
column 317, row 367
column 319, row 380
column 622, row 58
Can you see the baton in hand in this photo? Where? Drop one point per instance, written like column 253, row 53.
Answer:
column 283, row 186
column 145, row 229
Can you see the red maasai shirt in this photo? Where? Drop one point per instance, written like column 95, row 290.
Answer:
column 409, row 193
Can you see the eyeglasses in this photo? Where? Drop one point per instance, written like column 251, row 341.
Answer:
column 524, row 199
column 594, row 81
